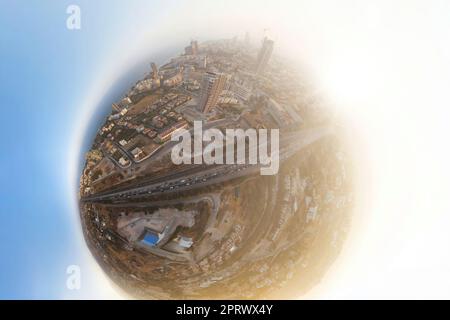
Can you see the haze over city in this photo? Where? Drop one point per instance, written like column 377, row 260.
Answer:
column 383, row 67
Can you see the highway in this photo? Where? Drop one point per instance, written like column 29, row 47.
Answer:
column 205, row 175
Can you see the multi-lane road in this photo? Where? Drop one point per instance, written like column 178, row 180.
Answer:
column 205, row 175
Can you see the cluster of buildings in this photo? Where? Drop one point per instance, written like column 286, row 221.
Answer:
column 217, row 80
column 220, row 254
column 224, row 79
column 157, row 232
column 130, row 137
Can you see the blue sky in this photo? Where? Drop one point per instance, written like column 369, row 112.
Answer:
column 52, row 80
column 46, row 71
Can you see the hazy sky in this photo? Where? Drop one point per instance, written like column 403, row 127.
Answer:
column 384, row 65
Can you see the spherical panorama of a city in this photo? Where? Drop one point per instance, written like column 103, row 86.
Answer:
column 218, row 175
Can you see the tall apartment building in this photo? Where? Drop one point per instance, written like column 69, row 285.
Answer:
column 212, row 86
column 155, row 75
column 192, row 49
column 264, row 55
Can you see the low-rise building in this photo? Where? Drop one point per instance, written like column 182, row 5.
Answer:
column 166, row 134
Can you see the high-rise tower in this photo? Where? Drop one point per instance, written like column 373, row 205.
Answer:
column 154, row 71
column 194, row 47
column 264, row 55
column 212, row 86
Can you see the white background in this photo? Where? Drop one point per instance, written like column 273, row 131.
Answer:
column 385, row 65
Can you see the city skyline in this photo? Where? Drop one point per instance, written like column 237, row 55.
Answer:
column 140, row 206
column 375, row 62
